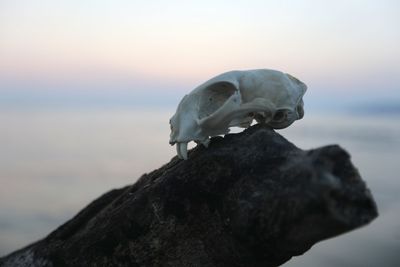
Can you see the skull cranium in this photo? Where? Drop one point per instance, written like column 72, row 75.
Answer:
column 236, row 98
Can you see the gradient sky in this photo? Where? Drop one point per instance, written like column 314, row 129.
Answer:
column 343, row 45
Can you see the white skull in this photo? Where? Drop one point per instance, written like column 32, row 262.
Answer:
column 235, row 98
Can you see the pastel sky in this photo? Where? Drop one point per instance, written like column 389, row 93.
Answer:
column 343, row 45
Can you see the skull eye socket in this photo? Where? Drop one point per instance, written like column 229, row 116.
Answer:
column 213, row 97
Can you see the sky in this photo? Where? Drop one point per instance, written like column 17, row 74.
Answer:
column 341, row 48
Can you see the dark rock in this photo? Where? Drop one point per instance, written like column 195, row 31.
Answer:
column 250, row 199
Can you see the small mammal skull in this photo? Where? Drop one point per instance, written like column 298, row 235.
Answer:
column 236, row 98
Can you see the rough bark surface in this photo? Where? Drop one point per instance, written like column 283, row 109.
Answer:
column 250, row 199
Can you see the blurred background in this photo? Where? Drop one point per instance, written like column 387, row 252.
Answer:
column 87, row 89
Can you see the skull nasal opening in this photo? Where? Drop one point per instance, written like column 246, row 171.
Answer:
column 213, row 97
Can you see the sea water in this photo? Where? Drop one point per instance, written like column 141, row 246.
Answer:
column 54, row 162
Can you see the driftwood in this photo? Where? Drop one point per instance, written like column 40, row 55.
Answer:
column 250, row 199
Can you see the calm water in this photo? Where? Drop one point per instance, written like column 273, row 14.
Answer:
column 53, row 163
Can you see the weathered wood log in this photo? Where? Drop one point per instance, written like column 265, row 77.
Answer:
column 250, row 199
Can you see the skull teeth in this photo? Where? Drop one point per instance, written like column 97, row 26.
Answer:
column 181, row 149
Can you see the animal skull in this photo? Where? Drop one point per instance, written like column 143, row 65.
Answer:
column 235, row 98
